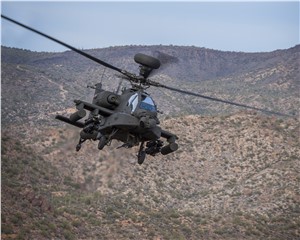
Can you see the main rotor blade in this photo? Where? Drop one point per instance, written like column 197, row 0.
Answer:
column 67, row 45
column 223, row 101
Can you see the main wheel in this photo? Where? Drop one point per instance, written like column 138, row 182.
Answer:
column 141, row 157
column 102, row 143
column 78, row 147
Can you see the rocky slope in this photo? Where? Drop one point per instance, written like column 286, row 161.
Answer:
column 235, row 176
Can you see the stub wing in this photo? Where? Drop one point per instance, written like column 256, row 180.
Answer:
column 81, row 113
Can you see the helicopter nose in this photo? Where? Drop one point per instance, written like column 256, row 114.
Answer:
column 146, row 122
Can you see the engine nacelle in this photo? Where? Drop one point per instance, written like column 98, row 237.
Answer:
column 106, row 99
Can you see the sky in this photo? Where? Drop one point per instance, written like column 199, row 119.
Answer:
column 228, row 26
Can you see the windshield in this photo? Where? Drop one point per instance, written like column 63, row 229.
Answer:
column 147, row 103
column 133, row 102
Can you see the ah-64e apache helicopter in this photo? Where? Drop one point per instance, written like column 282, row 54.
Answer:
column 129, row 117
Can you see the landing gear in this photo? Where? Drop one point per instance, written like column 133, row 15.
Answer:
column 141, row 154
column 102, row 142
column 78, row 146
column 141, row 157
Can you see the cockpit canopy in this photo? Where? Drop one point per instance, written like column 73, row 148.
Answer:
column 141, row 101
column 147, row 103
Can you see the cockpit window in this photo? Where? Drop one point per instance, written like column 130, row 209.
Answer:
column 147, row 103
column 133, row 102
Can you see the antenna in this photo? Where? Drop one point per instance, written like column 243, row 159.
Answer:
column 101, row 80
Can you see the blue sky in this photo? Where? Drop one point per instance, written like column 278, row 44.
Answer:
column 228, row 26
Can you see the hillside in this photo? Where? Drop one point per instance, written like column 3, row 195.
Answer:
column 233, row 177
column 36, row 85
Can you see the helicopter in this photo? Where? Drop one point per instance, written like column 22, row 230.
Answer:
column 130, row 117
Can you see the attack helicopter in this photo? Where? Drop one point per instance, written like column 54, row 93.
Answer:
column 130, row 117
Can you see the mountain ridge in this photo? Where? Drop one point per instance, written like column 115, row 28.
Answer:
column 271, row 79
